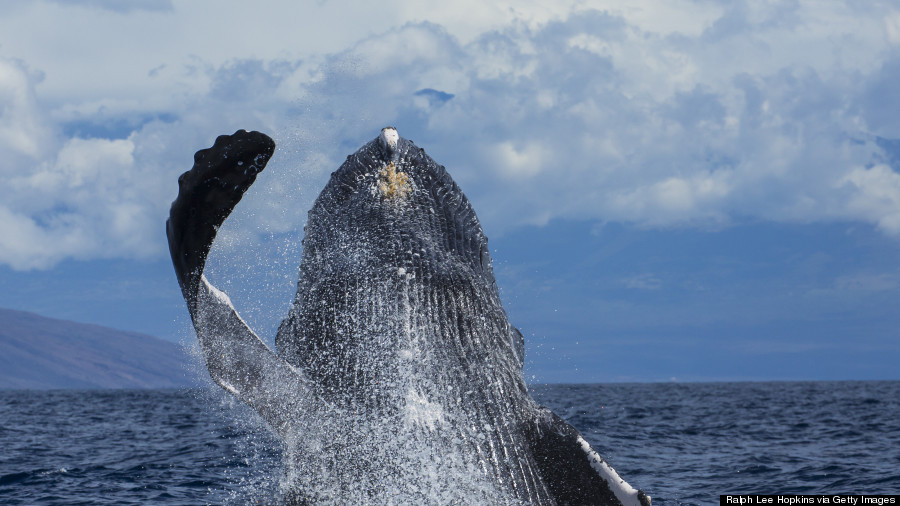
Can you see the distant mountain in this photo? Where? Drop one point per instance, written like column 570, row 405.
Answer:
column 42, row 353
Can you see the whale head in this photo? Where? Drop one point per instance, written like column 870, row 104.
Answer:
column 395, row 263
column 390, row 206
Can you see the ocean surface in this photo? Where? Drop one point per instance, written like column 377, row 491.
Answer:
column 682, row 443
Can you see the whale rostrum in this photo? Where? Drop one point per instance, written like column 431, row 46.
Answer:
column 398, row 377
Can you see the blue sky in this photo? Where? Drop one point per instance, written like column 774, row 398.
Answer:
column 673, row 189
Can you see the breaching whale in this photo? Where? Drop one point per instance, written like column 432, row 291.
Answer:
column 398, row 377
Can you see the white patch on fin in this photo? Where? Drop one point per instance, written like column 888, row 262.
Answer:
column 217, row 294
column 625, row 493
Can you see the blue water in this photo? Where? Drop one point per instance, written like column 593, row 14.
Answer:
column 681, row 443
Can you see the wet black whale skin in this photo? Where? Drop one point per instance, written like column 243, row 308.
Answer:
column 207, row 194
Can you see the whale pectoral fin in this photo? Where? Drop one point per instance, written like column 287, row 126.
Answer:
column 206, row 196
column 573, row 472
column 237, row 359
column 242, row 364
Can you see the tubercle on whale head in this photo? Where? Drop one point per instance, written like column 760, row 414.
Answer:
column 393, row 184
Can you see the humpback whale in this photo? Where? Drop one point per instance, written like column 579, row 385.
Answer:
column 396, row 376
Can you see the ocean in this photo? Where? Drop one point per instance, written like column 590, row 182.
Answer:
column 682, row 443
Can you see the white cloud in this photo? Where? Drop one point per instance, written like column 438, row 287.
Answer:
column 677, row 200
column 22, row 129
column 645, row 281
column 867, row 283
column 656, row 113
column 892, row 25
column 87, row 202
column 520, row 163
column 875, row 196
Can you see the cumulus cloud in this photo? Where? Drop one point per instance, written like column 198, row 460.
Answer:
column 657, row 114
column 22, row 128
column 874, row 195
column 86, row 202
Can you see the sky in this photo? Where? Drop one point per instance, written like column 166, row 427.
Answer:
column 673, row 190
